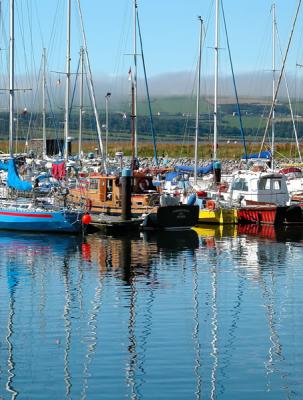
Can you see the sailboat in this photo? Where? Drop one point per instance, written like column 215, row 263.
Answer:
column 21, row 206
column 211, row 210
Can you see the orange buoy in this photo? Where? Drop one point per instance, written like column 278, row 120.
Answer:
column 86, row 219
column 210, row 204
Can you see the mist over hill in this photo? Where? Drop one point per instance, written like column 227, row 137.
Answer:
column 250, row 86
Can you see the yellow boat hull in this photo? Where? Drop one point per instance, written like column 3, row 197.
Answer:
column 219, row 216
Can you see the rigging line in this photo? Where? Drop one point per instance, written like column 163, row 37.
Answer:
column 147, row 92
column 53, row 31
column 55, row 124
column 74, row 90
column 38, row 19
column 91, row 86
column 186, row 130
column 33, row 106
column 234, row 82
column 124, row 34
column 20, row 12
column 280, row 76
column 31, row 35
column 289, row 100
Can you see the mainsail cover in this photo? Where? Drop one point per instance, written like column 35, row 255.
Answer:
column 200, row 170
column 263, row 154
column 13, row 179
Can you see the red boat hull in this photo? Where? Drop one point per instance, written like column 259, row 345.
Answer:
column 270, row 215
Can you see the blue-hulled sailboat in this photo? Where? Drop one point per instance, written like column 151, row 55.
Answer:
column 21, row 207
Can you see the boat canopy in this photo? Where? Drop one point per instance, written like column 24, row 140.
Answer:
column 262, row 155
column 200, row 170
column 13, row 179
column 170, row 176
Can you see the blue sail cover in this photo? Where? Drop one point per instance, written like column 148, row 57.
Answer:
column 200, row 170
column 13, row 178
column 264, row 154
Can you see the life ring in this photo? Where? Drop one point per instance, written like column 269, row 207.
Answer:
column 88, row 204
column 210, row 204
column 143, row 184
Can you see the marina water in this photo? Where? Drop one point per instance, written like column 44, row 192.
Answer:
column 208, row 314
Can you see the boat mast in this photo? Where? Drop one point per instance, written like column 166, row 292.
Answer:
column 273, row 9
column 198, row 100
column 44, row 105
column 216, row 81
column 133, row 119
column 135, row 78
column 107, row 96
column 67, row 87
column 11, row 77
column 81, row 100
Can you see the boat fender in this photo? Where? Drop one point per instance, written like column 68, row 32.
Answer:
column 192, row 199
column 143, row 184
column 210, row 204
column 86, row 219
column 88, row 204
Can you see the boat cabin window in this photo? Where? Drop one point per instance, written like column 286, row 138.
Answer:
column 239, row 184
column 277, row 184
column 269, row 184
column 109, row 189
column 264, row 184
column 93, row 184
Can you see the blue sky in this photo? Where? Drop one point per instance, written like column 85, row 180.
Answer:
column 170, row 36
column 169, row 28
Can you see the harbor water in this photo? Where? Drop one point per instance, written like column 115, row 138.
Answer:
column 212, row 313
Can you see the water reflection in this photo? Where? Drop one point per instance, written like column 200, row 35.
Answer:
column 260, row 253
column 197, row 314
column 20, row 255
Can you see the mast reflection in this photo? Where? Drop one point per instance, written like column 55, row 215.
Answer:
column 21, row 254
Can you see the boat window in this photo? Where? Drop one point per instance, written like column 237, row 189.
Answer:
column 239, row 184
column 93, row 184
column 264, row 184
column 277, row 184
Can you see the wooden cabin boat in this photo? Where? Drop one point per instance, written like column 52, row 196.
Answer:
column 103, row 195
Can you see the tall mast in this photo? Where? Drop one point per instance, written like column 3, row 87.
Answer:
column 107, row 96
column 44, row 104
column 81, row 100
column 133, row 119
column 198, row 100
column 273, row 83
column 67, row 87
column 11, row 77
column 216, row 81
column 135, row 78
